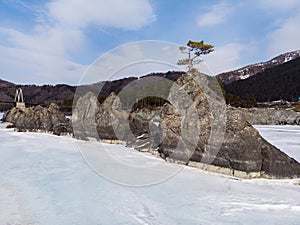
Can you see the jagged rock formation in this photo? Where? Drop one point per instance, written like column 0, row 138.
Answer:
column 189, row 130
column 92, row 120
column 38, row 118
column 193, row 127
column 243, row 152
column 270, row 116
column 83, row 117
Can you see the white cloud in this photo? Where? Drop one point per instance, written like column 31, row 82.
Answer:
column 43, row 55
column 26, row 66
column 131, row 15
column 286, row 37
column 217, row 15
column 136, row 58
column 224, row 58
column 46, row 40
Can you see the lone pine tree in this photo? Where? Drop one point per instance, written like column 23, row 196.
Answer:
column 194, row 50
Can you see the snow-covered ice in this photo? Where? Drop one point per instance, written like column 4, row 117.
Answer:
column 285, row 137
column 44, row 180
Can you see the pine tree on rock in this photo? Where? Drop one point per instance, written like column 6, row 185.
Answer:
column 194, row 50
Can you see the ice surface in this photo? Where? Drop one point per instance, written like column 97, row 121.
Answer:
column 44, row 180
column 285, row 137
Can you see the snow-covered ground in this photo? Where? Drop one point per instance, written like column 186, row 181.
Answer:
column 44, row 180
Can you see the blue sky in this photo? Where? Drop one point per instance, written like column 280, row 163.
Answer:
column 53, row 41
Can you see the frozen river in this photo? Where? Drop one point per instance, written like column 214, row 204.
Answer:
column 44, row 180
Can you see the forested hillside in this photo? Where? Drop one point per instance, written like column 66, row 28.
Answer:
column 279, row 82
column 63, row 94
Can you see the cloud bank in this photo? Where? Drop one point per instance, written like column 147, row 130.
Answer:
column 44, row 54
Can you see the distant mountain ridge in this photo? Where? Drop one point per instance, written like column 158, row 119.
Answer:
column 63, row 94
column 250, row 70
column 272, row 80
column 281, row 82
column 44, row 94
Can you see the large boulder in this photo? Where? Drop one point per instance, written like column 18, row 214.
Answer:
column 92, row 120
column 111, row 119
column 243, row 152
column 38, row 118
column 83, row 117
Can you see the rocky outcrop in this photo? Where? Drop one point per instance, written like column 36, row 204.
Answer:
column 92, row 120
column 270, row 116
column 243, row 151
column 193, row 127
column 39, row 118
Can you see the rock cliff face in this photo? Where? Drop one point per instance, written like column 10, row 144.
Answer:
column 38, row 118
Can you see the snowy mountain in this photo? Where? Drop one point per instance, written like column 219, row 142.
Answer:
column 281, row 82
column 250, row 70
